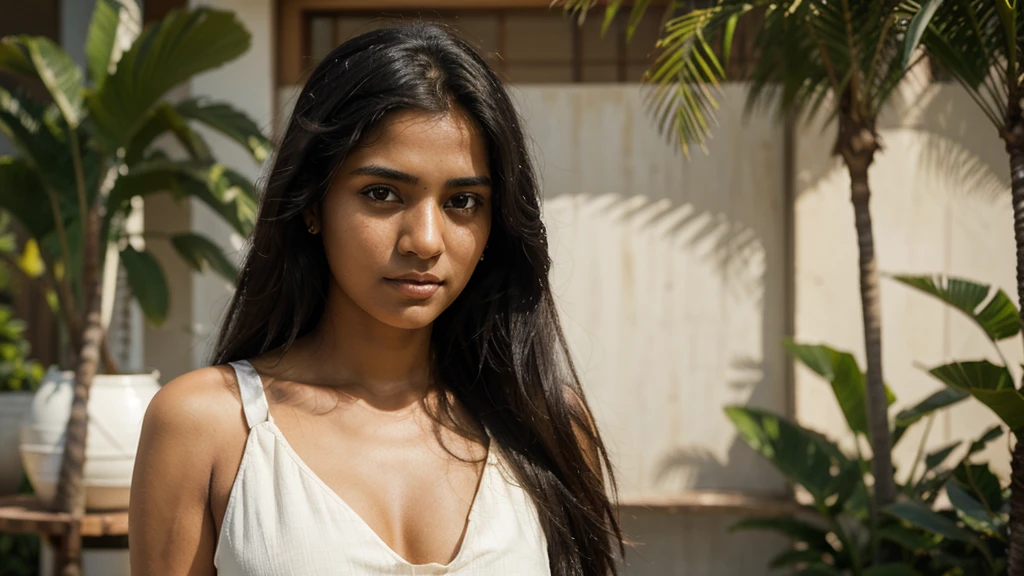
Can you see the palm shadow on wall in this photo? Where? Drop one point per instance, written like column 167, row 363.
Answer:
column 599, row 146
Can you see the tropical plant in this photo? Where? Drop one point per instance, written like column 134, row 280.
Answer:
column 992, row 311
column 979, row 43
column 841, row 58
column 834, row 533
column 86, row 155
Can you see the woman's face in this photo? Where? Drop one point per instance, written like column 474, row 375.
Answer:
column 408, row 215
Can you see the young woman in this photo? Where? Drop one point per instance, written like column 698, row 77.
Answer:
column 391, row 391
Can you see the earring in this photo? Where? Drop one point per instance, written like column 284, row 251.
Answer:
column 312, row 229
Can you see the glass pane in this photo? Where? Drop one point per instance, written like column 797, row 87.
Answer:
column 538, row 38
column 596, row 48
column 321, row 38
column 479, row 31
column 600, row 73
column 641, row 47
column 538, row 74
column 348, row 27
column 634, row 72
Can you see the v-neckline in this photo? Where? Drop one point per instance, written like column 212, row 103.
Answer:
column 305, row 468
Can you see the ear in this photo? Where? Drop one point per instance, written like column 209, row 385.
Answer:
column 311, row 216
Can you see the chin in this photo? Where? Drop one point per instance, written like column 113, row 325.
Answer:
column 410, row 318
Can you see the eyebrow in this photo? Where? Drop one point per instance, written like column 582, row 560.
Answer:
column 398, row 176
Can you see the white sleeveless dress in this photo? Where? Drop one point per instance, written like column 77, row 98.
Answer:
column 283, row 520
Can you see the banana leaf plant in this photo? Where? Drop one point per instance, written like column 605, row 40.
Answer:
column 96, row 145
column 834, row 534
column 836, row 57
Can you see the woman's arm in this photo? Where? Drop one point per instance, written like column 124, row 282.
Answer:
column 171, row 527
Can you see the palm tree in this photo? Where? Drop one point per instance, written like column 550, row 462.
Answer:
column 840, row 58
column 979, row 43
column 86, row 155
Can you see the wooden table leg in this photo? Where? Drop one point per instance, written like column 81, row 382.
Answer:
column 69, row 551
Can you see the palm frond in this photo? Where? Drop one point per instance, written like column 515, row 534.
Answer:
column 967, row 38
column 687, row 73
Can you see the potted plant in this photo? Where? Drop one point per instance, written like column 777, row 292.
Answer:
column 83, row 157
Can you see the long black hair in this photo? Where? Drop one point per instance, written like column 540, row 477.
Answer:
column 499, row 348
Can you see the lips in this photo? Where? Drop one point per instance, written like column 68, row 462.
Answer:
column 414, row 288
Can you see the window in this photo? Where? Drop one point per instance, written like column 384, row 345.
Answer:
column 528, row 45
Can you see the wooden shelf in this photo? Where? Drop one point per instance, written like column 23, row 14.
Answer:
column 27, row 514
column 713, row 502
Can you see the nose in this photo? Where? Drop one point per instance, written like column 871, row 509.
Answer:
column 422, row 232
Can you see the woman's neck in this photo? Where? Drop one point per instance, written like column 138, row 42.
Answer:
column 385, row 366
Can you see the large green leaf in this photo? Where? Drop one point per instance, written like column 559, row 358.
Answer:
column 971, row 511
column 814, row 537
column 966, row 376
column 228, row 121
column 45, row 61
column 15, row 60
column 909, row 538
column 839, row 369
column 114, row 25
column 989, row 383
column 38, row 133
column 978, row 445
column 803, row 456
column 223, row 190
column 179, row 46
column 161, row 119
column 924, row 517
column 998, row 317
column 201, row 254
column 935, row 458
column 941, row 399
column 982, row 483
column 22, row 194
column 918, row 24
column 148, row 284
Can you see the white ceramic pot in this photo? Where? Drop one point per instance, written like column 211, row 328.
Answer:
column 117, row 404
column 13, row 407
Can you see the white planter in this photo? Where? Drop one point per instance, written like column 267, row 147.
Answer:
column 13, row 407
column 117, row 404
column 95, row 561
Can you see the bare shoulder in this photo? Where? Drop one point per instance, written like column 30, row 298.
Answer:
column 202, row 404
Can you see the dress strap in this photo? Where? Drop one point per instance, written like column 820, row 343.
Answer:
column 254, row 399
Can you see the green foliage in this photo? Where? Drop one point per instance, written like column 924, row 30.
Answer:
column 990, row 308
column 17, row 372
column 977, row 41
column 19, row 554
column 835, row 534
column 996, row 315
column 94, row 144
column 841, row 371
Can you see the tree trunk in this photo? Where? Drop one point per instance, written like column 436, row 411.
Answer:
column 1015, row 550
column 877, row 401
column 1015, row 147
column 71, row 486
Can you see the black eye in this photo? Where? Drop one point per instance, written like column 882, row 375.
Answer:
column 379, row 194
column 464, row 202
